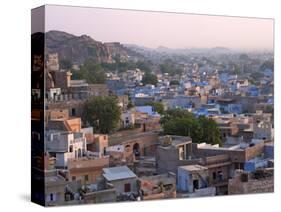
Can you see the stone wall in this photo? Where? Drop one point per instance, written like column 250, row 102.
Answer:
column 107, row 195
column 235, row 186
column 246, row 183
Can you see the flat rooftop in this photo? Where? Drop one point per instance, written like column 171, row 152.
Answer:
column 238, row 147
column 118, row 173
column 177, row 140
column 192, row 168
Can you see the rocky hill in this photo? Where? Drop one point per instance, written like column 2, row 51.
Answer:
column 79, row 48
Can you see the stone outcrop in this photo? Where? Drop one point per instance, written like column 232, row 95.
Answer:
column 79, row 48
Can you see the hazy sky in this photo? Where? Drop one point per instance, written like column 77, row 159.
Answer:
column 153, row 29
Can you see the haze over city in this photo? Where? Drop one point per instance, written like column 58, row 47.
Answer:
column 191, row 116
column 172, row 30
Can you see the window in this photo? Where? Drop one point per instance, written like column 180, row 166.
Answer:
column 86, row 177
column 73, row 178
column 51, row 197
column 70, row 148
column 127, row 187
column 214, row 175
column 73, row 112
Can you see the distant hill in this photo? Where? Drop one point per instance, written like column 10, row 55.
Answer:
column 220, row 49
column 80, row 48
column 178, row 51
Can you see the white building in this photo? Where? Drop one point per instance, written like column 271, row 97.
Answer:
column 65, row 145
column 54, row 93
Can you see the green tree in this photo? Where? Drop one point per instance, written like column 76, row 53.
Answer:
column 158, row 107
column 103, row 113
column 149, row 78
column 210, row 130
column 184, row 127
column 184, row 123
column 175, row 113
column 90, row 71
column 181, row 122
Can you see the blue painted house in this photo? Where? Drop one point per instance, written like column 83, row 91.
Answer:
column 192, row 177
column 255, row 163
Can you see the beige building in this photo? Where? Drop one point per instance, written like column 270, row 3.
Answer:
column 87, row 170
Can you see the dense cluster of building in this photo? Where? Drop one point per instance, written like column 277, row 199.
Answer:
column 139, row 162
